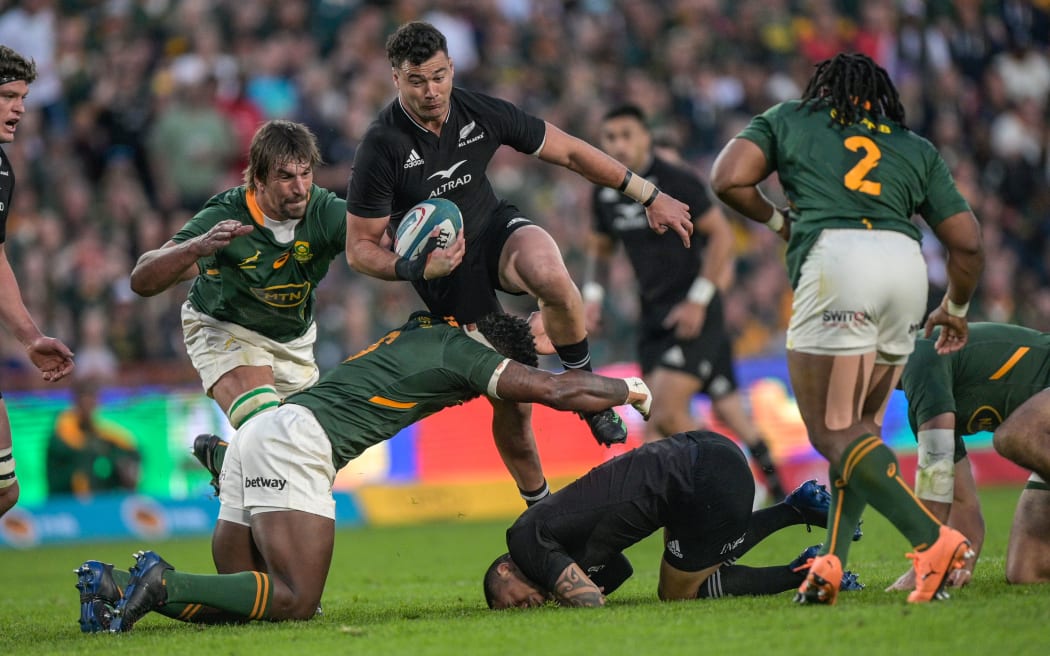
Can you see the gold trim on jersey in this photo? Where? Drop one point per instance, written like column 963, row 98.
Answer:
column 1010, row 364
column 390, row 403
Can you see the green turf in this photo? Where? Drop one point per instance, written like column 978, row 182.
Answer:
column 415, row 590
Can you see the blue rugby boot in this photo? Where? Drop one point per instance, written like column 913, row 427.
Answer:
column 144, row 592
column 99, row 594
column 812, row 501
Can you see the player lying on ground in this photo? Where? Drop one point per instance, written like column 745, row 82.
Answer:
column 697, row 486
column 998, row 382
column 276, row 481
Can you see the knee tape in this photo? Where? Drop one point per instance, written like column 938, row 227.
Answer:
column 7, row 469
column 251, row 403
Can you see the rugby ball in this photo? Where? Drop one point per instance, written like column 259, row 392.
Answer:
column 418, row 222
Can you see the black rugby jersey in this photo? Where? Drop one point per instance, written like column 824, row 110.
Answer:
column 7, row 189
column 664, row 268
column 400, row 163
column 612, row 507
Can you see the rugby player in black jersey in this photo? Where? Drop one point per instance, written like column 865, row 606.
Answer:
column 435, row 140
column 49, row 355
column 683, row 346
column 696, row 486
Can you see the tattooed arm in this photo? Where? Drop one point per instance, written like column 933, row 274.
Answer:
column 573, row 588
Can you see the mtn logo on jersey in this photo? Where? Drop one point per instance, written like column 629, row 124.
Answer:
column 845, row 318
column 413, row 160
column 284, row 296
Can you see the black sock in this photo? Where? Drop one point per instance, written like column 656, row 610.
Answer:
column 575, row 356
column 537, row 495
column 765, row 522
column 760, row 453
column 743, row 580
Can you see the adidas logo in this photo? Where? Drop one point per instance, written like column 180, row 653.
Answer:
column 674, row 548
column 413, row 159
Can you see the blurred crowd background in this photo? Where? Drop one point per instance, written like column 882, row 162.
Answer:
column 144, row 108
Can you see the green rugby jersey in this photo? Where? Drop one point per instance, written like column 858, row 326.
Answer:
column 258, row 282
column 1001, row 367
column 422, row 367
column 868, row 176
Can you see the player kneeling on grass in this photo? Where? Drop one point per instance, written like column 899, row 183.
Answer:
column 276, row 520
column 997, row 382
column 697, row 486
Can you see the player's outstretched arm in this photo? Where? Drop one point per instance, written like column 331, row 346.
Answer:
column 172, row 263
column 579, row 391
column 49, row 355
column 664, row 212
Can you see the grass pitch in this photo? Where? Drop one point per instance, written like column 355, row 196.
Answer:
column 416, row 590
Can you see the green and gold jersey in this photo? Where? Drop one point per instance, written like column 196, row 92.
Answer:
column 1001, row 367
column 257, row 281
column 422, row 367
column 867, row 176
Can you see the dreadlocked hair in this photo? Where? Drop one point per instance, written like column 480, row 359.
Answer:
column 854, row 86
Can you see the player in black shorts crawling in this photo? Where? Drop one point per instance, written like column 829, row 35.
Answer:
column 696, row 485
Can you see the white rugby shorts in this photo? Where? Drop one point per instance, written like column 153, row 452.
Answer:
column 216, row 347
column 860, row 291
column 280, row 460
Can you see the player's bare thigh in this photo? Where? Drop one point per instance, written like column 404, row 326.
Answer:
column 1024, row 436
column 532, row 262
column 1028, row 552
column 239, row 380
column 838, row 396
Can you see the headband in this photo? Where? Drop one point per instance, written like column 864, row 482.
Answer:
column 10, row 78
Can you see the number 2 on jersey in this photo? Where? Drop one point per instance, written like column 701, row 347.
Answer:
column 854, row 178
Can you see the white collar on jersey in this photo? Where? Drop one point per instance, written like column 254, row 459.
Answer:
column 415, row 122
column 471, row 329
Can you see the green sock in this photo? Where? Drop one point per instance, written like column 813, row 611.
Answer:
column 870, row 468
column 844, row 511
column 245, row 594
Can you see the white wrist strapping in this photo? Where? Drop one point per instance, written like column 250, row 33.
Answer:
column 776, row 221
column 638, row 395
column 7, row 469
column 702, row 291
column 935, row 476
column 956, row 310
column 638, row 188
column 592, row 292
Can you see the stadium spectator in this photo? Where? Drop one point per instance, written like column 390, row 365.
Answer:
column 854, row 175
column 86, row 453
column 696, row 486
column 683, row 346
column 49, row 355
column 278, row 472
